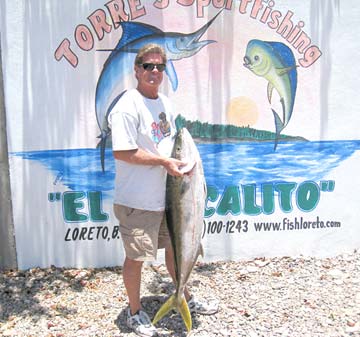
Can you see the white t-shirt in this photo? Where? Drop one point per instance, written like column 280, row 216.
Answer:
column 140, row 122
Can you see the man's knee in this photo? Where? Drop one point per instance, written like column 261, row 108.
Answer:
column 169, row 249
column 132, row 263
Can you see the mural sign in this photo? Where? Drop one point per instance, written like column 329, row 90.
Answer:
column 258, row 84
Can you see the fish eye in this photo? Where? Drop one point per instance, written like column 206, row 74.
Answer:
column 256, row 58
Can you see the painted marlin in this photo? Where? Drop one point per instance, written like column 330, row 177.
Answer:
column 120, row 63
column 276, row 63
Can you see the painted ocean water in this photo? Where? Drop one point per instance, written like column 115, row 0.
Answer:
column 224, row 164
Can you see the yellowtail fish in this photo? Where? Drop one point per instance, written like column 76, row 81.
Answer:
column 185, row 205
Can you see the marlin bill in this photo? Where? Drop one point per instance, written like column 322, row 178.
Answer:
column 185, row 205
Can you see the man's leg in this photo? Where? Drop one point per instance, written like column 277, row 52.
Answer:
column 132, row 280
column 139, row 245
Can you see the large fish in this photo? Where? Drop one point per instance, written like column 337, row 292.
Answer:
column 275, row 62
column 185, row 205
column 121, row 62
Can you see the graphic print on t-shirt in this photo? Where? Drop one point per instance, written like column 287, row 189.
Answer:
column 160, row 130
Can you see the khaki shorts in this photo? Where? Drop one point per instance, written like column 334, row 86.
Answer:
column 142, row 232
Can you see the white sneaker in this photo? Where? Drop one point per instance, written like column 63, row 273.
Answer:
column 202, row 307
column 141, row 324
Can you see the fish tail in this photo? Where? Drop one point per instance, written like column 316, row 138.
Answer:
column 185, row 314
column 165, row 309
column 102, row 145
column 279, row 125
column 102, row 152
column 181, row 307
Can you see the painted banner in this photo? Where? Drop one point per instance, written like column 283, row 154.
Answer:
column 267, row 89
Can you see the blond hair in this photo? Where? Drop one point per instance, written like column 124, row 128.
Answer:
column 150, row 48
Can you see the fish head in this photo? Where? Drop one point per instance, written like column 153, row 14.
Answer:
column 186, row 45
column 189, row 45
column 184, row 146
column 258, row 58
column 178, row 149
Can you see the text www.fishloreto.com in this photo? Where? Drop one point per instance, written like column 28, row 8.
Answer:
column 300, row 223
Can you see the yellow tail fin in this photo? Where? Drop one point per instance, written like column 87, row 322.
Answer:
column 185, row 314
column 165, row 308
column 170, row 304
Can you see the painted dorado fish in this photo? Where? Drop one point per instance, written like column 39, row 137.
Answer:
column 120, row 63
column 185, row 205
column 275, row 62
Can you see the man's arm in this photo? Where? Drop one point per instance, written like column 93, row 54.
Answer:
column 141, row 157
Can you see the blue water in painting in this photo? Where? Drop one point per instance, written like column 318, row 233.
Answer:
column 224, row 164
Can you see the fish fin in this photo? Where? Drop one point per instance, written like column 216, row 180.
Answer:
column 279, row 125
column 170, row 71
column 102, row 146
column 283, row 71
column 283, row 108
column 165, row 309
column 135, row 30
column 201, row 250
column 105, row 134
column 181, row 307
column 185, row 185
column 185, row 314
column 270, row 88
column 284, row 53
column 111, row 106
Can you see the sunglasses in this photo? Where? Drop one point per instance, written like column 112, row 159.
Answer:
column 151, row 66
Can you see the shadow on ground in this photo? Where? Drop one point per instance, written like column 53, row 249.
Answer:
column 171, row 325
column 19, row 289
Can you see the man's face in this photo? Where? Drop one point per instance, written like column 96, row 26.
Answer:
column 149, row 78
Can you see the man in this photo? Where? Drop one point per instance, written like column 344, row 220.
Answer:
column 142, row 148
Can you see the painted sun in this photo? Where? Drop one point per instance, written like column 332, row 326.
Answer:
column 242, row 111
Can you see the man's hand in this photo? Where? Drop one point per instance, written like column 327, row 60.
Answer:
column 141, row 157
column 173, row 167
